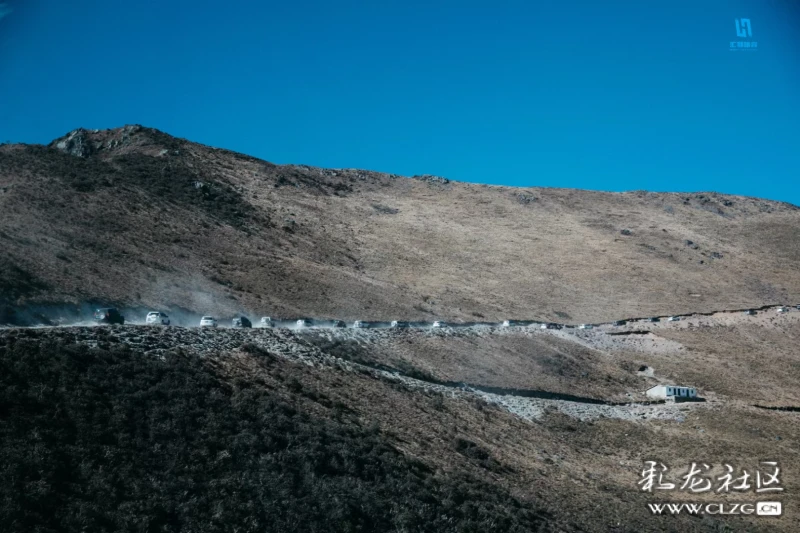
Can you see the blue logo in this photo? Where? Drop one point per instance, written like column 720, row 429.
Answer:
column 743, row 28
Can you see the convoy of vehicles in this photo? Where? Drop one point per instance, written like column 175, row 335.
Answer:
column 110, row 315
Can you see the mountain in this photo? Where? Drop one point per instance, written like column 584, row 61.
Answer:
column 133, row 217
column 478, row 428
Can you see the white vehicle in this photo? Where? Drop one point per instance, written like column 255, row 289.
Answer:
column 303, row 323
column 157, row 317
column 438, row 324
column 782, row 310
column 399, row 324
column 359, row 324
column 208, row 322
column 673, row 319
column 267, row 322
column 506, row 323
column 585, row 326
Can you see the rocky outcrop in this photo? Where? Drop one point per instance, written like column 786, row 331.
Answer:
column 75, row 143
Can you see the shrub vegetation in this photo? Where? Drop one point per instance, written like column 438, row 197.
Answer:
column 109, row 440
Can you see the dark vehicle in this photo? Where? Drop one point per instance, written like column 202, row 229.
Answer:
column 242, row 322
column 750, row 312
column 109, row 316
column 655, row 319
column 551, row 325
column 620, row 322
column 399, row 324
column 338, row 324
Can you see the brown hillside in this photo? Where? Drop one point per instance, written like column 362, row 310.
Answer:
column 135, row 217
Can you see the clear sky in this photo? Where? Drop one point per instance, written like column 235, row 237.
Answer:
column 609, row 95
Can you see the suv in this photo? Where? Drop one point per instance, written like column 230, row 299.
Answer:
column 750, row 312
column 674, row 319
column 338, row 324
column 359, row 324
column 655, row 319
column 109, row 315
column 267, row 322
column 620, row 322
column 157, row 317
column 208, row 322
column 303, row 323
column 242, row 322
column 439, row 324
column 400, row 324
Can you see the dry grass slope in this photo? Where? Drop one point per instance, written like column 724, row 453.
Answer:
column 133, row 216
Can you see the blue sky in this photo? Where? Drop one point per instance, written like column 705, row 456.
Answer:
column 612, row 95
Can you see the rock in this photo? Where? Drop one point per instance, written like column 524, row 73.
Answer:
column 525, row 198
column 75, row 143
column 431, row 179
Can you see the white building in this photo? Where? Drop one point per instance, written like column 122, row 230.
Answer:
column 671, row 391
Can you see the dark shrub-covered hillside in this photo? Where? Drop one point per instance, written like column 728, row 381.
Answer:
column 108, row 440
